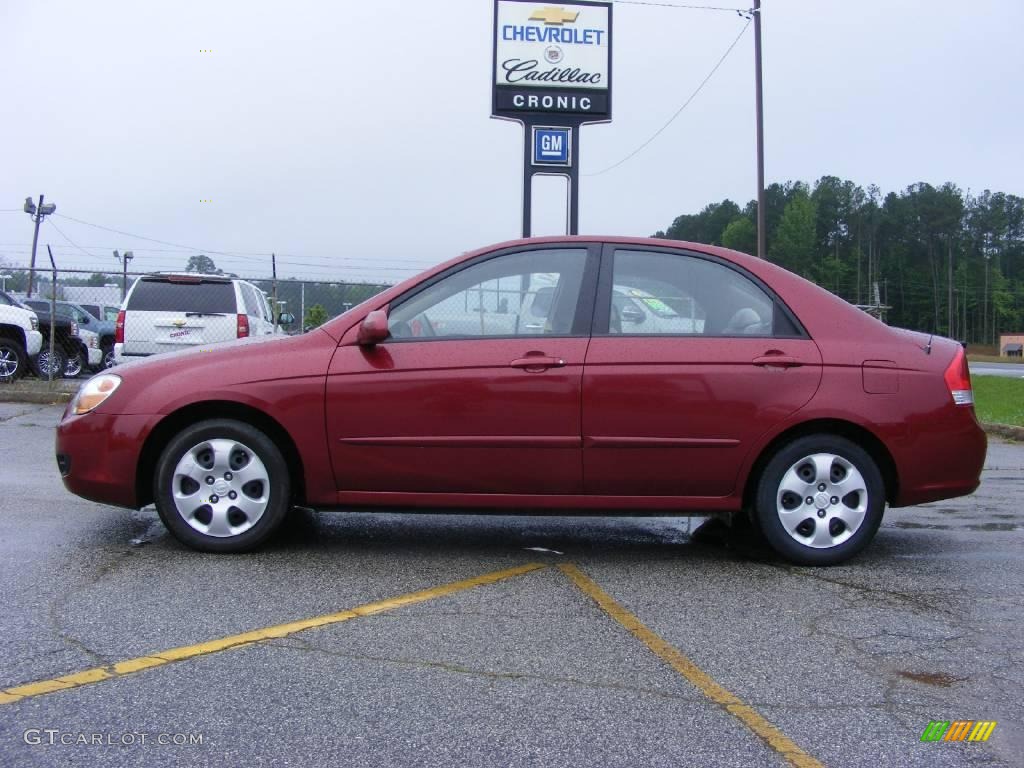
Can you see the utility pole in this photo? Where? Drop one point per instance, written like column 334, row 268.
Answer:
column 37, row 213
column 128, row 256
column 762, row 227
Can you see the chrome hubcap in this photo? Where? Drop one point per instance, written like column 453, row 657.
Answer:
column 822, row 500
column 220, row 488
column 47, row 363
column 8, row 363
column 73, row 366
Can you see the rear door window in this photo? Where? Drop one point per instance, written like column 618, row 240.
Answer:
column 204, row 297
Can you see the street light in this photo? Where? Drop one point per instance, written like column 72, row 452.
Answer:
column 37, row 213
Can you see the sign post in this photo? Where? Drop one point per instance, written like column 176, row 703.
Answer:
column 552, row 74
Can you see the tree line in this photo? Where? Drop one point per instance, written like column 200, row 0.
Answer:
column 928, row 258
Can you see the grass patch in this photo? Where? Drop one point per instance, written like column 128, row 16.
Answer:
column 979, row 358
column 999, row 399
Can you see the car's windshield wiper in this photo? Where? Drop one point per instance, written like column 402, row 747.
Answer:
column 205, row 314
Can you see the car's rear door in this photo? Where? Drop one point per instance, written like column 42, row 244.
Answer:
column 169, row 312
column 478, row 390
column 677, row 389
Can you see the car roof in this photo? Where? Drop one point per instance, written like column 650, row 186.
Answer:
column 196, row 276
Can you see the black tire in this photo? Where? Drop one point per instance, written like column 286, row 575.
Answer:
column 823, row 519
column 75, row 364
column 187, row 528
column 42, row 362
column 108, row 358
column 13, row 360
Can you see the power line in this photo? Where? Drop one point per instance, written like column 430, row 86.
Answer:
column 76, row 245
column 150, row 239
column 684, row 6
column 679, row 111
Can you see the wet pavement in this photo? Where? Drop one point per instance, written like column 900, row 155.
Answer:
column 849, row 664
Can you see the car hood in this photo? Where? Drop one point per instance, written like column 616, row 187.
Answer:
column 165, row 382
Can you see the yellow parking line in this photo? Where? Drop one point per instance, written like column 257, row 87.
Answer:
column 131, row 666
column 747, row 715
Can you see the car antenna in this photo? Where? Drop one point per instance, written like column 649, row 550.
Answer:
column 928, row 346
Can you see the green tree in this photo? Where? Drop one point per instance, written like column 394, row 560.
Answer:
column 203, row 265
column 316, row 316
column 795, row 238
column 740, row 235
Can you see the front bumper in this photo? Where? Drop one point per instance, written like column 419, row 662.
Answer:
column 33, row 343
column 98, row 455
column 95, row 357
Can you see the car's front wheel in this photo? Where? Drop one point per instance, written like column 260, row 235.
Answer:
column 51, row 366
column 222, row 486
column 820, row 500
column 75, row 364
column 12, row 360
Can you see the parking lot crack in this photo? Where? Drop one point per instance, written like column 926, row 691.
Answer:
column 459, row 669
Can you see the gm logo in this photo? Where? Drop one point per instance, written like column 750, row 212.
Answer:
column 552, row 146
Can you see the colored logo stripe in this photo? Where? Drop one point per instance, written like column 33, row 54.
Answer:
column 958, row 730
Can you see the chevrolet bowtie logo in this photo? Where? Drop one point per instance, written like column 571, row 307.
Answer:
column 178, row 323
column 552, row 14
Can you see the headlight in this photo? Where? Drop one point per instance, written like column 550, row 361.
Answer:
column 94, row 392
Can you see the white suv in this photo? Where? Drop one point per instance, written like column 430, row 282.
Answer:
column 167, row 312
column 20, row 339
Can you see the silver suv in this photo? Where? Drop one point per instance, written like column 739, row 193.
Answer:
column 168, row 312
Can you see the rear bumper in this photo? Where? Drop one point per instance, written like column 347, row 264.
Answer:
column 95, row 357
column 98, row 455
column 942, row 464
column 121, row 357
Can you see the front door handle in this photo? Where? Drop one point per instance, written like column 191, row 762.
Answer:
column 534, row 363
column 777, row 360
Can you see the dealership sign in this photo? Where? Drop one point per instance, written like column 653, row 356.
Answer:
column 552, row 59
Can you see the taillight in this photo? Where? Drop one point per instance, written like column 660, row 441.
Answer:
column 243, row 326
column 958, row 379
column 74, row 329
column 119, row 328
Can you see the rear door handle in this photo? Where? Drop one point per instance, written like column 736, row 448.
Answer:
column 779, row 361
column 537, row 362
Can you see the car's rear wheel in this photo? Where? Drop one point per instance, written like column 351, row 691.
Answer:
column 108, row 357
column 51, row 366
column 222, row 486
column 820, row 500
column 12, row 360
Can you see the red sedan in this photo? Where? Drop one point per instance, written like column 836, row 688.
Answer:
column 608, row 375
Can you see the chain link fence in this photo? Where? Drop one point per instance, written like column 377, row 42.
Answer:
column 68, row 324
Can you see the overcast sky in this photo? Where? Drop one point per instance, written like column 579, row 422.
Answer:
column 354, row 138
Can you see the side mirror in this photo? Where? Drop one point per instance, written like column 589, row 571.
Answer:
column 374, row 329
column 286, row 318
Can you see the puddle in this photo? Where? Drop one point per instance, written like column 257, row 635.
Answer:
column 993, row 527
column 974, row 527
column 931, row 678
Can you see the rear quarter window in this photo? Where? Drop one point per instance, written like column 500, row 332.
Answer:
column 163, row 296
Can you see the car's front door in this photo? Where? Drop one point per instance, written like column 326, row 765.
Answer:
column 691, row 361
column 478, row 388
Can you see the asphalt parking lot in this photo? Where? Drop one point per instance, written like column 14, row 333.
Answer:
column 631, row 643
